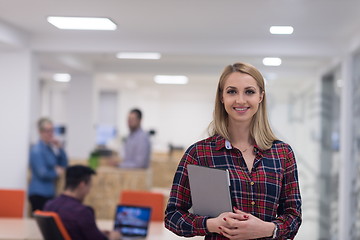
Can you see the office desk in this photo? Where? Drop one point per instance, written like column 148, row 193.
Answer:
column 26, row 229
column 19, row 228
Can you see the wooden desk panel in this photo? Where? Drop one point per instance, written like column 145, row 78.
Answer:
column 107, row 186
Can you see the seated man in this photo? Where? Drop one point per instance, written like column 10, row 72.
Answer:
column 78, row 219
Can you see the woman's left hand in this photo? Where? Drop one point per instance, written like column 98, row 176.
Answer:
column 251, row 228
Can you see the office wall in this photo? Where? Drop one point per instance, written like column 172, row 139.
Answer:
column 80, row 115
column 72, row 105
column 53, row 103
column 17, row 113
column 179, row 114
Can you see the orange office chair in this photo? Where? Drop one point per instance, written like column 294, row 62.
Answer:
column 12, row 203
column 50, row 225
column 146, row 199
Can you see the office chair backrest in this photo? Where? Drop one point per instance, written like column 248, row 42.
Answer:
column 147, row 199
column 51, row 226
column 12, row 203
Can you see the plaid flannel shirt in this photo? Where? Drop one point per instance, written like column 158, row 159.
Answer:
column 270, row 191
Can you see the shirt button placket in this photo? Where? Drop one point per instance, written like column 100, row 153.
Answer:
column 252, row 183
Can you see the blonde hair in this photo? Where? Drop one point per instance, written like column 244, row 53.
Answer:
column 260, row 129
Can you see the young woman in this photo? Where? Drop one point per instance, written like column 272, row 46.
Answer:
column 263, row 172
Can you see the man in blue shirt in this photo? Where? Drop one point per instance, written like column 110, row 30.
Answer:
column 47, row 162
column 137, row 145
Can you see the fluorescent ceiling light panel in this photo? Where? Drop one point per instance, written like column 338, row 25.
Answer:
column 82, row 23
column 170, row 79
column 272, row 61
column 139, row 55
column 281, row 29
column 62, row 77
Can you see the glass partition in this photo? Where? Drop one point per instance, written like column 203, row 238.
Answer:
column 329, row 154
column 355, row 231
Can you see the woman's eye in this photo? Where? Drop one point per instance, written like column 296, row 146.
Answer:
column 249, row 91
column 231, row 92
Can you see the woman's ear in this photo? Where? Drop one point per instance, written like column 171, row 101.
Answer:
column 261, row 96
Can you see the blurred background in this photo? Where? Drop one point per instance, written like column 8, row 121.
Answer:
column 313, row 95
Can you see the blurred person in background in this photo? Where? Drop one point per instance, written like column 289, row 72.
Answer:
column 137, row 148
column 47, row 163
column 78, row 219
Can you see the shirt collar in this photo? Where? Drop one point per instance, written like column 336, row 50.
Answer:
column 257, row 149
column 70, row 197
column 228, row 144
column 221, row 142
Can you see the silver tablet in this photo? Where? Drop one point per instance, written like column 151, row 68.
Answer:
column 210, row 190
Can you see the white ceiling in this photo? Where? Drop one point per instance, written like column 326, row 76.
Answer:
column 194, row 37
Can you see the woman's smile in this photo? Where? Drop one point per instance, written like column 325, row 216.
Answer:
column 241, row 109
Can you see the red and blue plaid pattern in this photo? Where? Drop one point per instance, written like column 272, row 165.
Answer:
column 270, row 191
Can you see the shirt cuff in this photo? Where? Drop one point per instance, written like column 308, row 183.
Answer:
column 274, row 236
column 201, row 227
column 277, row 230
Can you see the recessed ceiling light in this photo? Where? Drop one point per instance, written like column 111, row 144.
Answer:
column 281, row 29
column 139, row 55
column 272, row 61
column 62, row 77
column 82, row 23
column 170, row 79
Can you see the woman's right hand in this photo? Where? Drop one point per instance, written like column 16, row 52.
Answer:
column 215, row 224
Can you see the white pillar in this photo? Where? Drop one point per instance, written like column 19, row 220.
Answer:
column 345, row 172
column 17, row 95
column 80, row 117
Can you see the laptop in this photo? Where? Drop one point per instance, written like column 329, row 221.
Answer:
column 132, row 221
column 210, row 190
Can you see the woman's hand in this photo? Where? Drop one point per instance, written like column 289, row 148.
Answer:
column 224, row 221
column 246, row 226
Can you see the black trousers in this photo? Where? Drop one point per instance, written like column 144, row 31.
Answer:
column 38, row 202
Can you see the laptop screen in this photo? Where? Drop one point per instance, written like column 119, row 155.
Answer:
column 132, row 220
